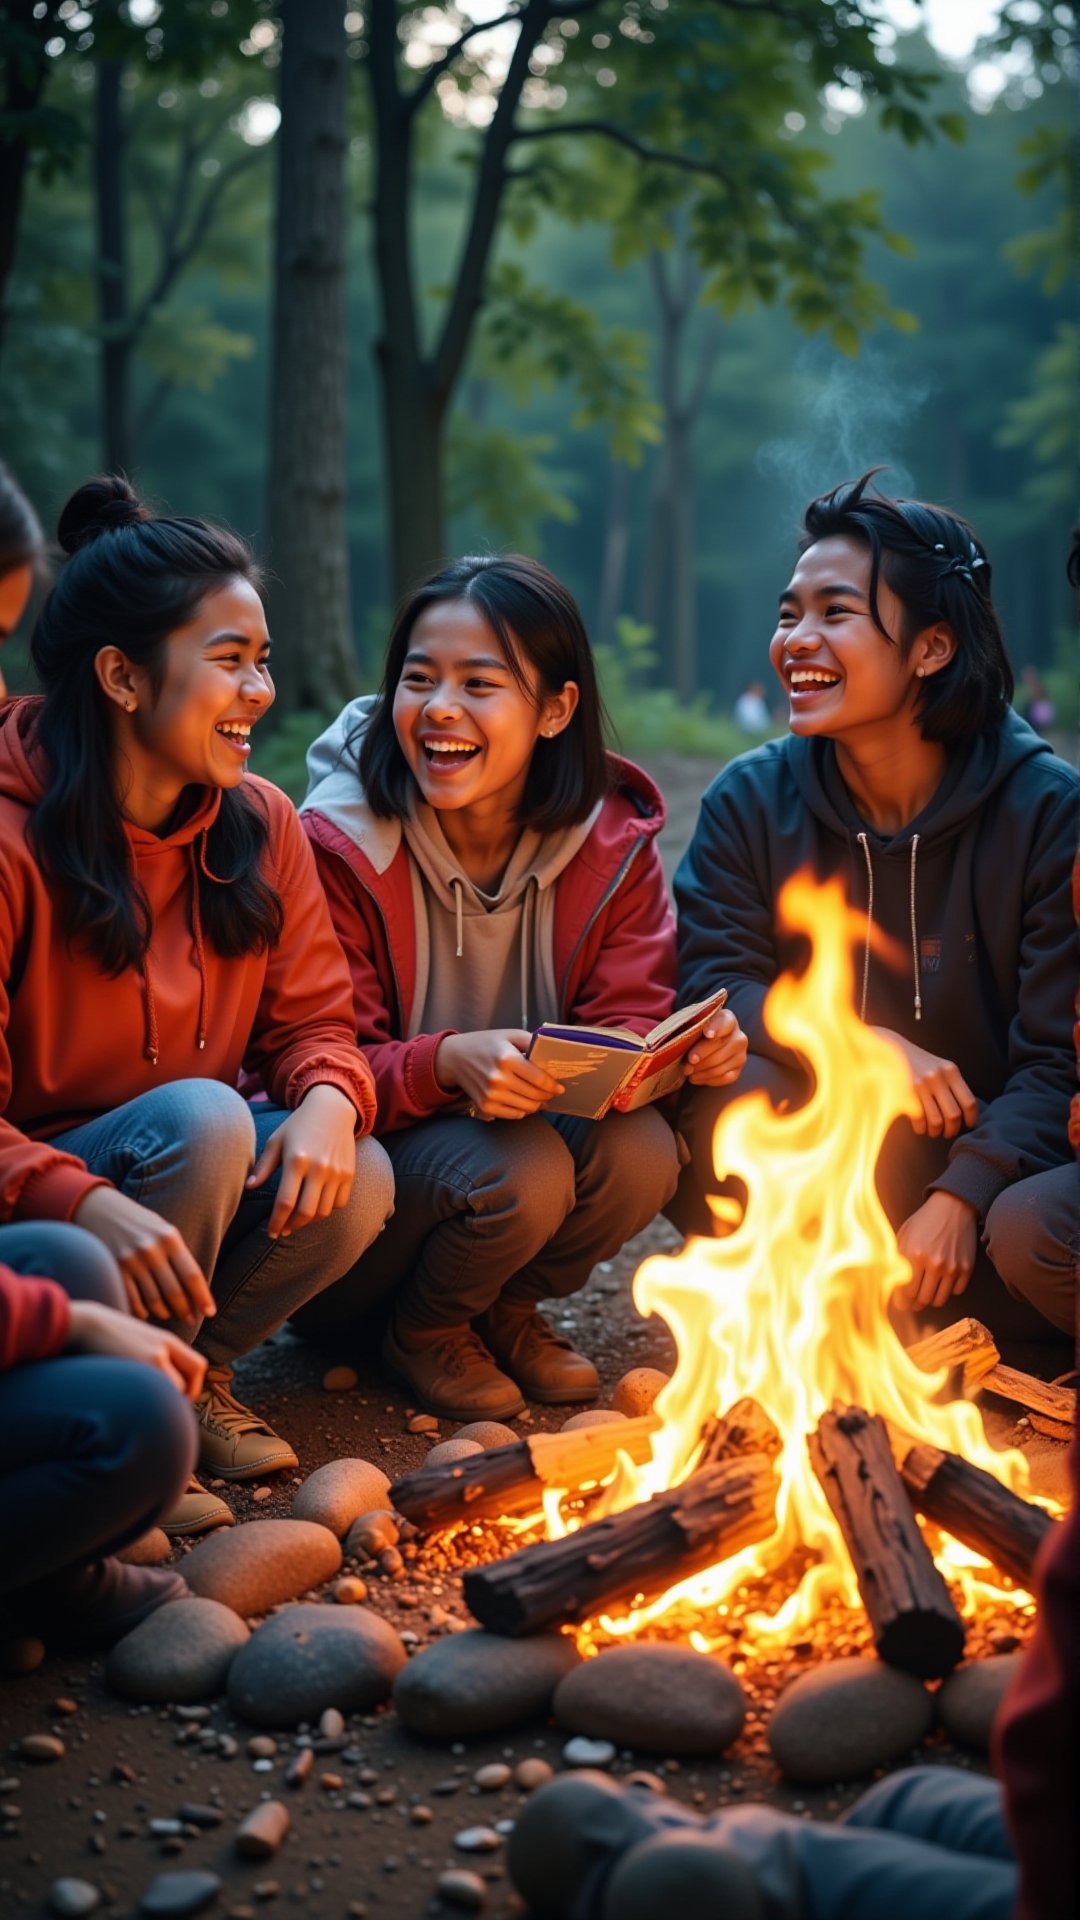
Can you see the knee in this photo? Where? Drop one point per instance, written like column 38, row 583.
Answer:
column 531, row 1179
column 634, row 1155
column 77, row 1261
column 1008, row 1233
column 352, row 1228
column 152, row 1438
column 215, row 1128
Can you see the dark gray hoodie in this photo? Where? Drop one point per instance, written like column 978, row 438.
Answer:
column 975, row 891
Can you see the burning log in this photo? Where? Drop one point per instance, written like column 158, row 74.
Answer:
column 512, row 1480
column 744, row 1428
column 916, row 1626
column 633, row 1556
column 967, row 1344
column 1039, row 1396
column 975, row 1508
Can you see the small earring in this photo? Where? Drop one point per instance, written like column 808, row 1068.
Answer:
column 547, row 732
column 919, row 672
column 129, row 705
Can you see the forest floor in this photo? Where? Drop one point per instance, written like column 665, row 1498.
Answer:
column 88, row 1813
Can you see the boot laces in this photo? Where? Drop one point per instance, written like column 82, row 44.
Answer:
column 461, row 1351
column 222, row 1410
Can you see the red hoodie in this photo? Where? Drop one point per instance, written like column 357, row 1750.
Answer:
column 34, row 1318
column 613, row 935
column 75, row 1043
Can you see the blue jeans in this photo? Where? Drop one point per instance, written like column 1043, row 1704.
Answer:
column 185, row 1150
column 93, row 1449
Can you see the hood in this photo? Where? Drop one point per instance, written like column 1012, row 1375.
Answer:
column 22, row 763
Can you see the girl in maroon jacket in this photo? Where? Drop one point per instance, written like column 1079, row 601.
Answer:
column 489, row 867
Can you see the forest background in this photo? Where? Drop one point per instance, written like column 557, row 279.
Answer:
column 621, row 283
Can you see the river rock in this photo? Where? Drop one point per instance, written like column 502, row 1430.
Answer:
column 370, row 1535
column 333, row 1495
column 180, row 1893
column 592, row 1417
column 476, row 1682
column 655, row 1697
column 968, row 1700
column 308, row 1658
column 179, row 1654
column 262, row 1831
column 682, row 1872
column 487, row 1434
column 847, row 1717
column 151, row 1549
column 255, row 1567
column 456, row 1449
column 71, row 1898
column 637, row 1391
column 461, row 1889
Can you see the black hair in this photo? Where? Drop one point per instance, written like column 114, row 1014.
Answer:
column 133, row 579
column 537, row 623
column 22, row 543
column 938, row 570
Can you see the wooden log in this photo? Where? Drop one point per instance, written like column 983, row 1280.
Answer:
column 629, row 1557
column 974, row 1507
column 967, row 1344
column 1054, row 1403
column 744, row 1428
column 511, row 1480
column 915, row 1624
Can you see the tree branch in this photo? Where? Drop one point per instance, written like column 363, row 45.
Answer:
column 607, row 130
column 182, row 248
column 431, row 76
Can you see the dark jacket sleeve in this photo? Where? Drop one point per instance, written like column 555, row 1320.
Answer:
column 1025, row 1129
column 34, row 1318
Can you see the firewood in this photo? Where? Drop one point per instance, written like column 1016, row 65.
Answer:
column 511, row 1480
column 967, row 1344
column 630, row 1557
column 1054, row 1403
column 915, row 1624
column 744, row 1428
column 974, row 1507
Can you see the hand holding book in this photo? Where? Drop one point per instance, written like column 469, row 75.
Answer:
column 610, row 1067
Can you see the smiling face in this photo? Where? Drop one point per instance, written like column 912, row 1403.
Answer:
column 840, row 673
column 466, row 726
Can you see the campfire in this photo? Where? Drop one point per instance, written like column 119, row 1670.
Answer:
column 796, row 1433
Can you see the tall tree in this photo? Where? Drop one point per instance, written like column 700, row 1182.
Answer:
column 27, row 126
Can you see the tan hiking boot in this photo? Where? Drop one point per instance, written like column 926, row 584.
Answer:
column 452, row 1374
column 197, row 1511
column 542, row 1361
column 234, row 1443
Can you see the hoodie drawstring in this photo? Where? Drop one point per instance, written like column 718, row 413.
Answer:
column 528, row 916
column 458, row 890
column 151, row 1048
column 196, row 930
column 865, row 845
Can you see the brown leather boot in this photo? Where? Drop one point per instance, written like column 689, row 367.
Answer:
column 451, row 1373
column 542, row 1361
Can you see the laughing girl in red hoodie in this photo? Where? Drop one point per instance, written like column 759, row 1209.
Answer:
column 162, row 930
column 489, row 867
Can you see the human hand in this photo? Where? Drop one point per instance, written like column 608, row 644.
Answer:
column 946, row 1100
column 493, row 1074
column 316, row 1151
column 162, row 1277
column 95, row 1328
column 939, row 1241
column 719, row 1055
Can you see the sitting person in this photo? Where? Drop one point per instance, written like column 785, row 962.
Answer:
column 488, row 867
column 953, row 828
column 22, row 554
column 162, row 928
column 96, row 1439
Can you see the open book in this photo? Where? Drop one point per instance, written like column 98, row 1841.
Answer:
column 605, row 1067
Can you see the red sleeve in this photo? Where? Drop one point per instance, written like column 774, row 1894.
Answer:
column 406, row 1089
column 34, row 1318
column 624, row 975
column 1037, row 1736
column 303, row 1033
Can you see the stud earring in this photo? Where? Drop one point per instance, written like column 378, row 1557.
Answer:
column 919, row 672
column 129, row 705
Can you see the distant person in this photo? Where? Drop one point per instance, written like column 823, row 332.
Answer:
column 22, row 553
column 162, row 928
column 1035, row 703
column 953, row 827
column 751, row 709
column 489, row 867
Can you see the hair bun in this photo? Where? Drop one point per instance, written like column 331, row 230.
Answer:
column 101, row 506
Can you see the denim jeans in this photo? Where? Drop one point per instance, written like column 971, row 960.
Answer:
column 93, row 1450
column 185, row 1150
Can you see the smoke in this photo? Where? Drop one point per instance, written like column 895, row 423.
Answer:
column 855, row 414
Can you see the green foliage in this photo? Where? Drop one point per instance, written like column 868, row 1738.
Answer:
column 279, row 754
column 503, row 478
column 648, row 719
column 1044, row 419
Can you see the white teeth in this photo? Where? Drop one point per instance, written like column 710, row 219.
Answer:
column 238, row 731
column 448, row 746
column 812, row 677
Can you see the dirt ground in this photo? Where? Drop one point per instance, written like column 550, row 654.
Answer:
column 376, row 1843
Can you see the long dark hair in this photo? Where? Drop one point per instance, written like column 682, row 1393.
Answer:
column 537, row 622
column 133, row 579
column 22, row 543
column 939, row 571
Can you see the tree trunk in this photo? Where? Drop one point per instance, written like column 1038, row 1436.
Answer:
column 25, row 75
column 413, row 421
column 309, row 595
column 110, row 136
column 683, row 573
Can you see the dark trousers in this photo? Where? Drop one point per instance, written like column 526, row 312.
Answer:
column 92, row 1450
column 1025, row 1271
column 518, row 1210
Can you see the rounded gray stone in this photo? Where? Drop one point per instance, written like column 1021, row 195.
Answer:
column 593, row 1417
column 476, row 1682
column 70, row 1897
column 563, row 1831
column 333, row 1496
column 180, row 1654
column 487, row 1434
column 255, row 1567
column 580, row 1751
column 656, row 1698
column 847, row 1717
column 684, row 1873
column 308, row 1658
column 451, row 1450
column 968, row 1701
column 180, row 1893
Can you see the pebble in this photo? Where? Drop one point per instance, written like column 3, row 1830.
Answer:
column 262, row 1493
column 477, row 1840
column 422, row 1423
column 592, row 1417
column 490, row 1778
column 262, row 1831
column 23, row 1653
column 349, row 1591
column 968, row 1700
column 648, row 1782
column 461, row 1889
column 180, row 1654
column 637, row 1391
column 455, row 1449
column 335, row 1494
column 654, row 1697
column 193, row 1814
column 475, row 1682
column 331, row 1724
column 391, row 1563
column 72, row 1897
column 151, row 1549
column 254, row 1567
column 339, row 1379
column 581, row 1752
column 847, row 1717
column 307, row 1658
column 370, row 1534
column 262, row 1746
column 530, row 1774
column 487, row 1434
column 42, row 1747
column 180, row 1893
column 300, row 1769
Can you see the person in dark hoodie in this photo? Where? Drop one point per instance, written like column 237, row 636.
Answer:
column 953, row 827
column 489, row 867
